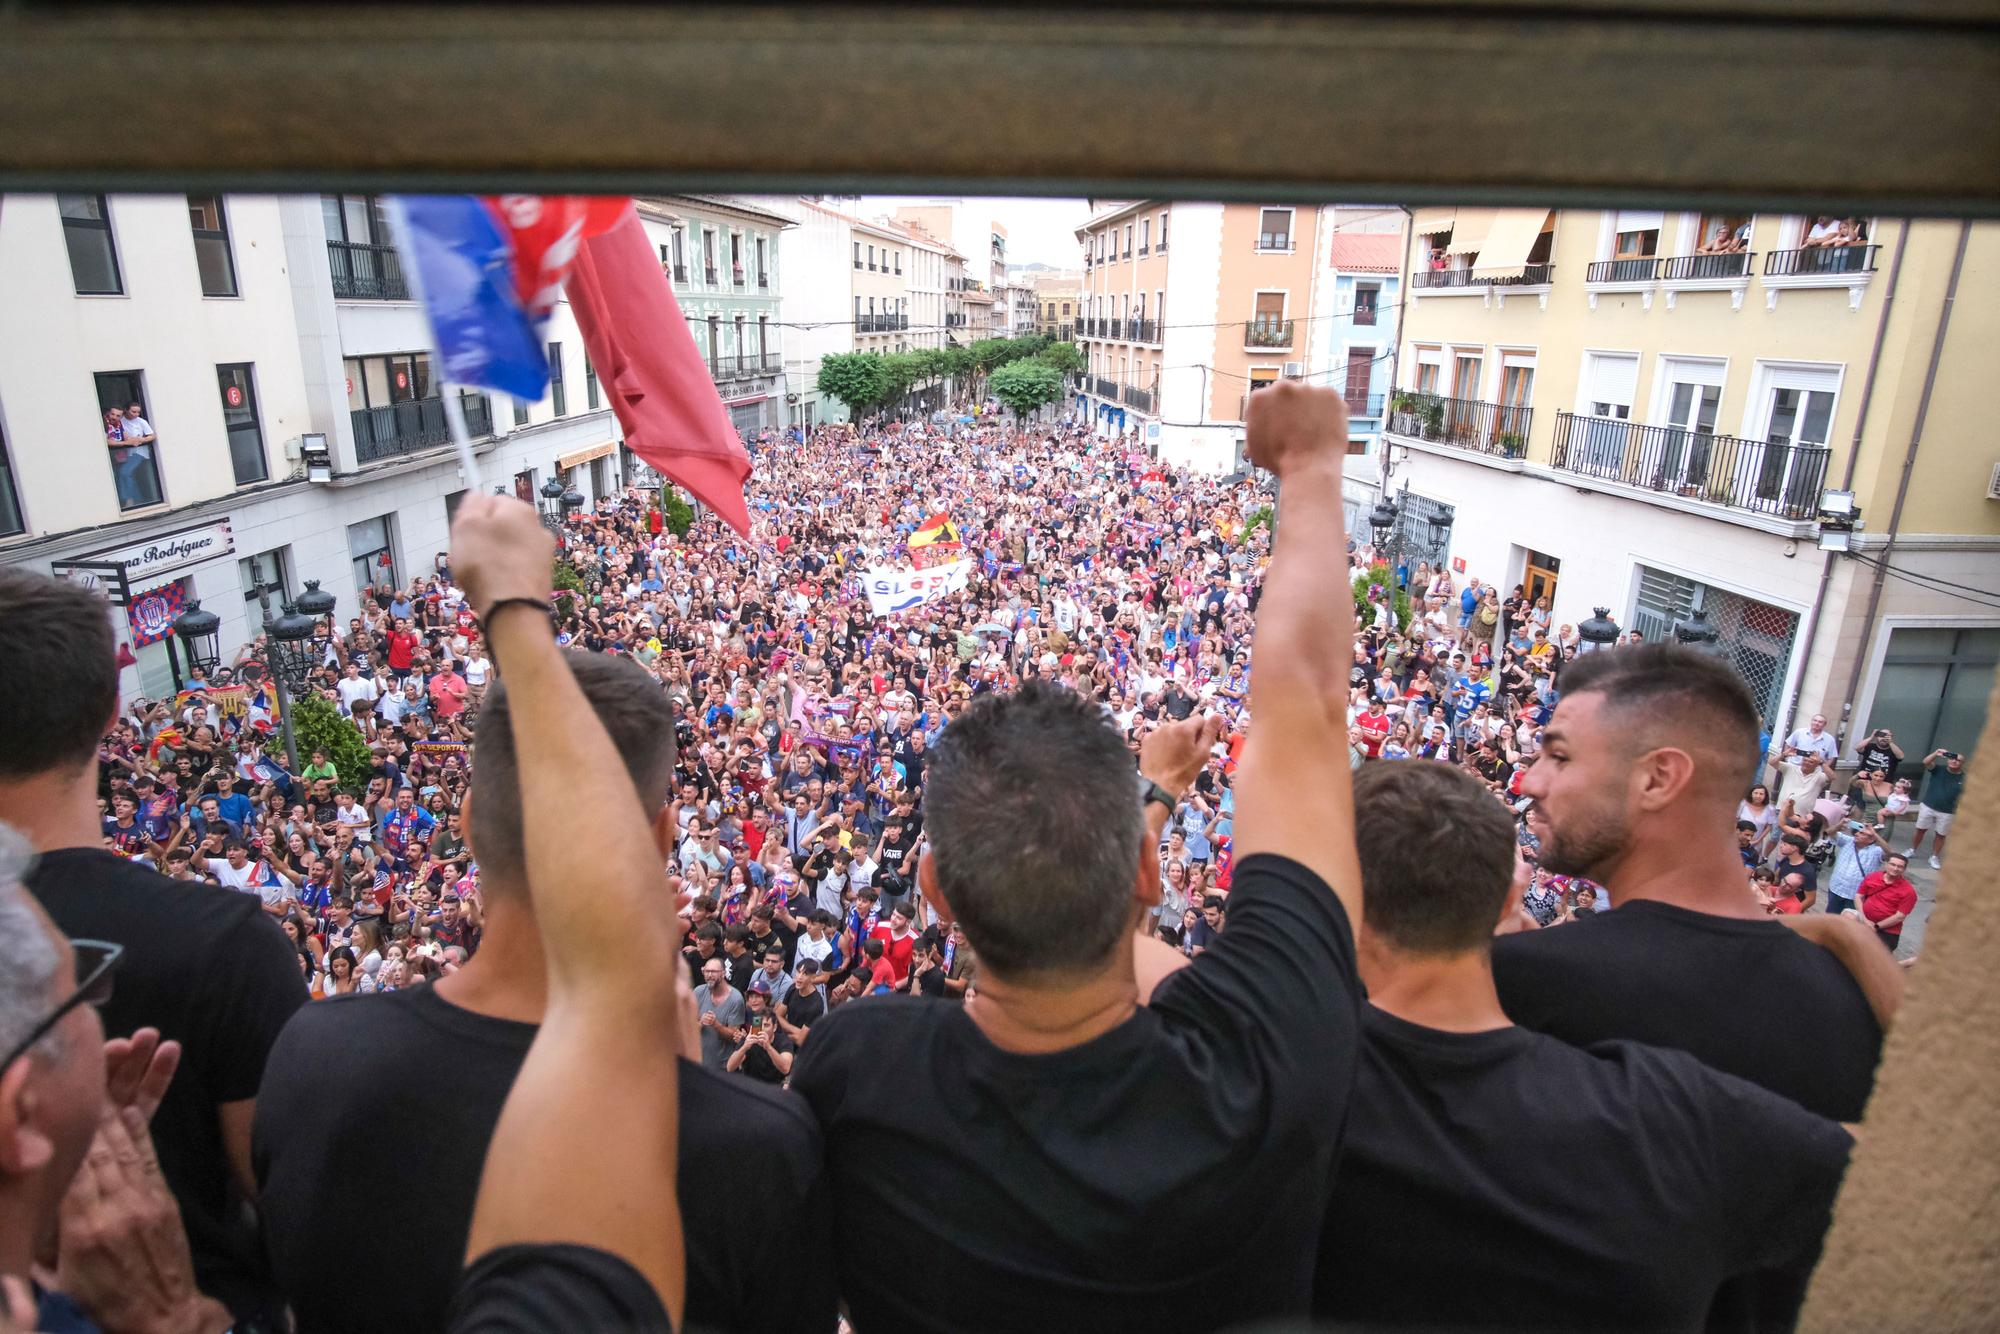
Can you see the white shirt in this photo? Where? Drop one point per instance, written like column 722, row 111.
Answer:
column 355, row 688
column 136, row 426
column 476, row 669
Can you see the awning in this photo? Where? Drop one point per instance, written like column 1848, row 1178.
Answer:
column 741, row 402
column 1508, row 240
column 1468, row 230
column 564, row 462
column 1432, row 220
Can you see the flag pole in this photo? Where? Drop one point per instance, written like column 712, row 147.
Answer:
column 454, row 413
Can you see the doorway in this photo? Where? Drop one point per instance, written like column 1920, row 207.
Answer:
column 1540, row 580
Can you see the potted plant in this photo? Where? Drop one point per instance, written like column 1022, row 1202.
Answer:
column 1432, row 411
column 1512, row 445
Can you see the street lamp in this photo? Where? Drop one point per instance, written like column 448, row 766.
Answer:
column 288, row 654
column 1599, row 632
column 1440, row 520
column 572, row 501
column 198, row 632
column 552, row 492
column 1382, row 519
column 318, row 604
column 1696, row 633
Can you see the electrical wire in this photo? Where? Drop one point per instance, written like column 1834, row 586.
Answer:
column 1926, row 581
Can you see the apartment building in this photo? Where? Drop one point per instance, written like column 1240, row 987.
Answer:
column 1188, row 309
column 880, row 253
column 721, row 254
column 1650, row 412
column 298, row 424
column 1355, row 313
column 1056, row 296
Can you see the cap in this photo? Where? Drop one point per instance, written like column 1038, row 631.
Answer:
column 760, row 988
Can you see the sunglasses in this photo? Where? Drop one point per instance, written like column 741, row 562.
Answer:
column 96, row 963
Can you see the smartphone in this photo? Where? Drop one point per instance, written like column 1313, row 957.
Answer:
column 756, row 1023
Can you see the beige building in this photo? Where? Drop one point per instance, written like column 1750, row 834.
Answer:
column 1651, row 412
column 1187, row 309
column 1056, row 298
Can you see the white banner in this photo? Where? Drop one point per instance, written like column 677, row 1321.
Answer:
column 891, row 590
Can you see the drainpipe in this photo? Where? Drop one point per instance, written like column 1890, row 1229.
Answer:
column 1847, row 480
column 1910, row 456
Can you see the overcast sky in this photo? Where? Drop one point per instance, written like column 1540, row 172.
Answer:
column 1038, row 230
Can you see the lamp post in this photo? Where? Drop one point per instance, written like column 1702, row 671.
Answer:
column 1696, row 633
column 1599, row 632
column 198, row 630
column 318, row 604
column 571, row 500
column 552, row 494
column 1383, row 520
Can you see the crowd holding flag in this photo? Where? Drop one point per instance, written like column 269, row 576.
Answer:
column 935, row 541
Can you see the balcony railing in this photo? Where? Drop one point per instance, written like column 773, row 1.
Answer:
column 1645, row 269
column 1142, row 399
column 1144, row 251
column 680, row 273
column 1267, row 333
column 709, row 275
column 763, row 280
column 366, row 272
column 1531, row 275
column 1365, row 407
column 1828, row 259
column 1686, row 268
column 1444, row 278
column 1764, row 477
column 1365, row 314
column 1145, row 331
column 1499, row 429
column 413, row 425
column 1106, row 389
column 1162, row 245
column 736, row 275
column 1114, row 329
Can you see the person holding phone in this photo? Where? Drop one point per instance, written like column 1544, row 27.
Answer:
column 764, row 1052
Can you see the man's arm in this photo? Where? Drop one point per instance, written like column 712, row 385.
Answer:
column 1874, row 969
column 1294, row 793
column 576, row 1156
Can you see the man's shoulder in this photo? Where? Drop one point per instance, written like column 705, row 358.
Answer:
column 86, row 889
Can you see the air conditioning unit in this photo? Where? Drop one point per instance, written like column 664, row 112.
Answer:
column 1993, row 485
column 1295, row 370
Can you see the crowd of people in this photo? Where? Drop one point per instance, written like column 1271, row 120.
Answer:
column 964, row 1002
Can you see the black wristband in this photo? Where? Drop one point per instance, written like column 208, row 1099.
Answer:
column 537, row 603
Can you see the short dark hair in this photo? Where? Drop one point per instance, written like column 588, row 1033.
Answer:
column 1437, row 856
column 632, row 708
column 1675, row 695
column 1017, row 850
column 1795, row 841
column 58, row 658
column 1746, row 827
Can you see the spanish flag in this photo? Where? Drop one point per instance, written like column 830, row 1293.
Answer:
column 938, row 530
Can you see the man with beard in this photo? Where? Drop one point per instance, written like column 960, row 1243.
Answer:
column 1636, row 789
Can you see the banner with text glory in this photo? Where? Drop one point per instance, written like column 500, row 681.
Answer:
column 891, row 590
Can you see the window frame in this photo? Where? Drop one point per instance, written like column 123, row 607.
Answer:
column 230, row 433
column 279, row 589
column 558, row 388
column 218, row 235
column 1290, row 233
column 99, row 224
column 144, row 400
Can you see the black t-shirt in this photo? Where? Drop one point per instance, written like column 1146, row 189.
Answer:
column 529, row 1289
column 1876, row 755
column 351, row 1075
column 1726, row 990
column 209, row 969
column 1010, row 1191
column 1508, row 1178
column 803, row 1011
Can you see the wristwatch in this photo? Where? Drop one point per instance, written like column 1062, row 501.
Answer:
column 1150, row 791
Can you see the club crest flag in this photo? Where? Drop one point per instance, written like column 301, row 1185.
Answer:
column 891, row 591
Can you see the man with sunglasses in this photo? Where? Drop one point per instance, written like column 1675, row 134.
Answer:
column 208, row 969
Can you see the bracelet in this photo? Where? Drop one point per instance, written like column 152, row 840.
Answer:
column 538, row 604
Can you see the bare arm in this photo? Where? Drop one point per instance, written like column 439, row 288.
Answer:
column 1294, row 792
column 577, row 1157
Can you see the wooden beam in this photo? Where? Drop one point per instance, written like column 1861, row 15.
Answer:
column 1491, row 100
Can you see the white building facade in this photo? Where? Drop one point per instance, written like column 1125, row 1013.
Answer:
column 256, row 334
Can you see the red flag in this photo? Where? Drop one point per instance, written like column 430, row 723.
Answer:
column 658, row 382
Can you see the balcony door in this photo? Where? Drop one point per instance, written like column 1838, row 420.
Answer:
column 1604, row 411
column 1462, row 414
column 1517, row 395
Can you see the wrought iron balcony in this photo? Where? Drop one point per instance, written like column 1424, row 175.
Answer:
column 680, row 273
column 1689, row 268
column 413, row 425
column 1142, row 399
column 1762, row 476
column 1145, row 331
column 1444, row 278
column 366, row 272
column 1531, row 275
column 1499, row 429
column 1106, row 389
column 709, row 275
column 1267, row 333
column 1644, row 269
column 1827, row 259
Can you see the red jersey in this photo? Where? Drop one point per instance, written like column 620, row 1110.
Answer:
column 1376, row 731
column 401, row 647
column 896, row 953
column 1880, row 899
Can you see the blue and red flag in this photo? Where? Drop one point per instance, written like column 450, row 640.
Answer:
column 490, row 269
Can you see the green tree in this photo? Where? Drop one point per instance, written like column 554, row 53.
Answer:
column 1064, row 357
column 855, row 378
column 1026, row 385
column 675, row 513
column 900, row 373
column 317, row 725
column 958, row 366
